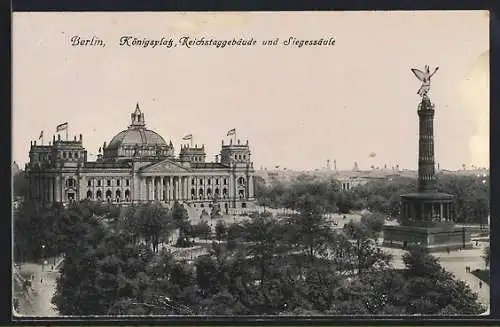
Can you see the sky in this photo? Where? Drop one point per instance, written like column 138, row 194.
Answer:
column 297, row 107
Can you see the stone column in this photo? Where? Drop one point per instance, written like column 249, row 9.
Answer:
column 148, row 187
column 174, row 191
column 179, row 181
column 441, row 211
column 186, row 188
column 162, row 189
column 144, row 188
column 157, row 188
column 152, row 188
column 177, row 188
column 170, row 188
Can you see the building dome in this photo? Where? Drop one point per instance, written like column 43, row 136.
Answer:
column 133, row 136
column 136, row 141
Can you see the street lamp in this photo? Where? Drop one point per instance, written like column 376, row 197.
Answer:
column 43, row 255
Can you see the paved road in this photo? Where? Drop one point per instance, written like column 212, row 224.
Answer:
column 455, row 262
column 42, row 289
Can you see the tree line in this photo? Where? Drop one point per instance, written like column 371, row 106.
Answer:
column 259, row 266
column 383, row 196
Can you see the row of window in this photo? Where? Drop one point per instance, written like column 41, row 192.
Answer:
column 109, row 195
column 109, row 182
column 241, row 181
column 239, row 157
column 65, row 155
column 70, row 155
column 209, row 181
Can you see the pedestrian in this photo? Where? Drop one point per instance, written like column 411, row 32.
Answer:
column 477, row 243
column 41, row 280
column 448, row 250
column 480, row 284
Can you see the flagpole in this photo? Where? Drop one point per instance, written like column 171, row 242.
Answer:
column 235, row 136
column 66, row 133
column 191, row 139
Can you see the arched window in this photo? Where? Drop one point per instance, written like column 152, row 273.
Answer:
column 200, row 192
column 70, row 182
column 201, row 181
column 224, row 192
column 76, row 155
column 89, row 183
column 239, row 157
column 118, row 194
column 192, row 181
column 89, row 194
column 70, row 155
column 193, row 194
column 99, row 195
column 217, row 192
column 109, row 195
column 127, row 195
column 241, row 181
column 241, row 193
column 209, row 193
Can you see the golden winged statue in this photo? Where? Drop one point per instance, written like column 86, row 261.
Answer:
column 425, row 78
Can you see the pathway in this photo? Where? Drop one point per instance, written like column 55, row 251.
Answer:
column 43, row 288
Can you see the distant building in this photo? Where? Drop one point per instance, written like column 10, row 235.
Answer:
column 348, row 183
column 138, row 165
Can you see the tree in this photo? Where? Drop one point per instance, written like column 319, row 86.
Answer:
column 180, row 218
column 367, row 254
column 429, row 289
column 155, row 222
column 220, row 230
column 201, row 230
column 235, row 231
column 309, row 231
column 374, row 222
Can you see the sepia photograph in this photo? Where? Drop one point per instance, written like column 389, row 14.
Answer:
column 267, row 164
